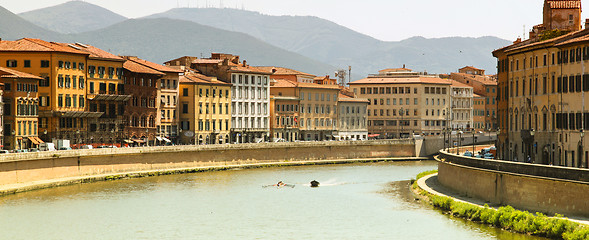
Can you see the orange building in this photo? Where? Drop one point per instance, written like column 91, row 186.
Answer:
column 21, row 109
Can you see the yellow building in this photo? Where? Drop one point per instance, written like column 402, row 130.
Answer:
column 204, row 108
column 21, row 105
column 105, row 94
column 542, row 97
column 62, row 93
column 317, row 118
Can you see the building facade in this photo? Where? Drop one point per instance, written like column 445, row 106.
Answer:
column 461, row 112
column 542, row 83
column 62, row 92
column 20, row 109
column 284, row 118
column 403, row 103
column 204, row 109
column 352, row 117
column 250, row 93
column 141, row 113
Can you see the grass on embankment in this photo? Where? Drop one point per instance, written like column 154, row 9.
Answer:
column 507, row 217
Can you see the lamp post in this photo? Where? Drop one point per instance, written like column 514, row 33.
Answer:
column 444, row 132
column 473, row 143
column 532, row 132
column 459, row 142
column 581, row 162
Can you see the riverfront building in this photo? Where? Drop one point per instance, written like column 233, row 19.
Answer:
column 461, row 112
column 403, row 103
column 20, row 109
column 62, row 92
column 167, row 92
column 105, row 95
column 485, row 86
column 204, row 109
column 141, row 113
column 542, row 85
column 352, row 117
column 250, row 95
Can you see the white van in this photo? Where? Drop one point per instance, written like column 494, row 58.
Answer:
column 47, row 147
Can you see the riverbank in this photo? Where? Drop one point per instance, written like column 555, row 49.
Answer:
column 428, row 189
column 51, row 183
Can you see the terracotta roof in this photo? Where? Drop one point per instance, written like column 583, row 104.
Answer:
column 282, row 83
column 197, row 78
column 345, row 98
column 473, row 68
column 477, row 96
column 133, row 66
column 284, row 71
column 154, row 66
column 36, row 45
column 247, row 69
column 402, row 80
column 564, row 4
column 10, row 73
column 94, row 51
column 485, row 80
column 459, row 84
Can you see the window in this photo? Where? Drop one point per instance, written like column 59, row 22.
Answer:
column 11, row 63
column 27, row 63
column 185, row 92
column 44, row 63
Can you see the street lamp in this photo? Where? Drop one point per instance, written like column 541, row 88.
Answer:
column 532, row 132
column 473, row 142
column 459, row 142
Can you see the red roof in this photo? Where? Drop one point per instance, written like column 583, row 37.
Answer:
column 94, row 51
column 37, row 45
column 402, row 80
column 133, row 66
column 284, row 71
column 197, row 78
column 10, row 73
column 282, row 83
column 154, row 66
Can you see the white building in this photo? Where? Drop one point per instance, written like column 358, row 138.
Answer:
column 250, row 105
column 461, row 97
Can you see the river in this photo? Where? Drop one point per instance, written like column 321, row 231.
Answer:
column 354, row 201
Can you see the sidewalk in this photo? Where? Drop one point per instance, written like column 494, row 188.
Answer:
column 431, row 185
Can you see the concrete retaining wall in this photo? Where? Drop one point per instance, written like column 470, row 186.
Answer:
column 523, row 186
column 30, row 167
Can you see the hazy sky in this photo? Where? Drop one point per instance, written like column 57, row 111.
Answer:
column 390, row 20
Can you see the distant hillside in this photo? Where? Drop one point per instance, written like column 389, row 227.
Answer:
column 13, row 27
column 337, row 45
column 73, row 17
column 160, row 40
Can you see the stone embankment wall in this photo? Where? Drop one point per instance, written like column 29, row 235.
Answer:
column 30, row 167
column 532, row 187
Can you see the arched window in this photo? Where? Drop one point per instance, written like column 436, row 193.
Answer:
column 151, row 121
column 143, row 121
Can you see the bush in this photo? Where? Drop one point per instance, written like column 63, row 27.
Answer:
column 508, row 218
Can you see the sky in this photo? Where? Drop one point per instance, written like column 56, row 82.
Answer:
column 388, row 20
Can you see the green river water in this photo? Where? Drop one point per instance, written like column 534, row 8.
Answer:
column 354, row 201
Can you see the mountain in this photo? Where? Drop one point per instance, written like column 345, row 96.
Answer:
column 163, row 39
column 337, row 45
column 73, row 17
column 14, row 27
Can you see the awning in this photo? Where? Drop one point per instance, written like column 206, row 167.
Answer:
column 128, row 141
column 33, row 140
column 138, row 141
column 159, row 139
column 373, row 135
column 39, row 140
column 165, row 139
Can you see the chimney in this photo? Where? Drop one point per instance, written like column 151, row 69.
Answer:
column 518, row 40
column 586, row 24
column 244, row 63
column 403, row 65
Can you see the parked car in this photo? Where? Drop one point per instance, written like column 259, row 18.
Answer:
column 33, row 150
column 4, row 151
column 65, row 148
column 86, row 147
column 47, row 147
